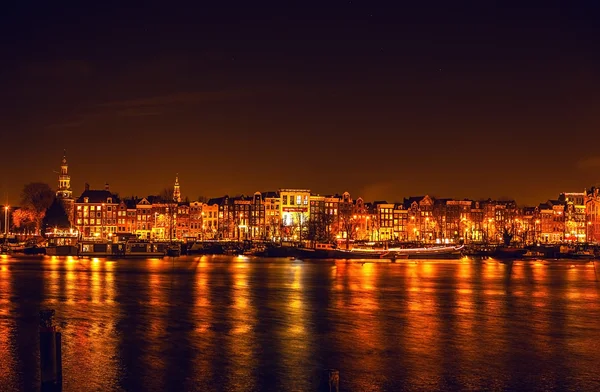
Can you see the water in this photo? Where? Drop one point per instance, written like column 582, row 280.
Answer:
column 241, row 324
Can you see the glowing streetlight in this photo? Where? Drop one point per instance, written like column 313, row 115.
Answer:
column 6, row 221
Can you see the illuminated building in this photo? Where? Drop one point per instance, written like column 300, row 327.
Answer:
column 64, row 192
column 272, row 203
column 385, row 220
column 478, row 222
column 210, row 220
column 96, row 213
column 294, row 213
column 241, row 217
column 552, row 222
column 574, row 216
column 225, row 219
column 126, row 217
column 592, row 207
column 529, row 222
column 195, row 220
column 361, row 210
column 144, row 219
column 332, row 216
column 498, row 216
column 421, row 223
column 257, row 219
column 400, row 222
column 181, row 222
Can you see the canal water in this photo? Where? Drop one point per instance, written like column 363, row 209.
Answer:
column 248, row 324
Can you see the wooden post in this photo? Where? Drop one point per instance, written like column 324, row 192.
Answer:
column 330, row 381
column 50, row 353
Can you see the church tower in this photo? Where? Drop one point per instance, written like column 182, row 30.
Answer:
column 64, row 192
column 176, row 190
column 64, row 180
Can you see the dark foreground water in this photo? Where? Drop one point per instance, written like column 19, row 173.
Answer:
column 240, row 324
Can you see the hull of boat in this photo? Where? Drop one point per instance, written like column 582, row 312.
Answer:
column 62, row 250
column 392, row 254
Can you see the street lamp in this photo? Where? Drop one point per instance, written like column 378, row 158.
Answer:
column 6, row 221
column 202, row 224
column 102, row 220
column 587, row 232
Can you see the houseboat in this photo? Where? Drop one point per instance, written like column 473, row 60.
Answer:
column 62, row 242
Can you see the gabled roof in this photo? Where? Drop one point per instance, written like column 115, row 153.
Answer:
column 218, row 200
column 412, row 199
column 130, row 203
column 270, row 194
column 98, row 196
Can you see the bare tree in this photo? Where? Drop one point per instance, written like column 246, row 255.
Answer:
column 319, row 228
column 348, row 223
column 301, row 225
column 36, row 198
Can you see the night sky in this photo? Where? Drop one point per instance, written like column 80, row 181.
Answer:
column 384, row 100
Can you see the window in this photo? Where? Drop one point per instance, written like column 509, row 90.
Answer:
column 92, row 221
column 92, row 208
column 299, row 200
column 284, row 200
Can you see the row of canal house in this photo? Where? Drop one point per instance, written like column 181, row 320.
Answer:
column 298, row 214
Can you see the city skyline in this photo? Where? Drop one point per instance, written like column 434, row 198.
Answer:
column 176, row 178
column 385, row 100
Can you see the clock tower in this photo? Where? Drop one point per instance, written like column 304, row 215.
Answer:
column 64, row 192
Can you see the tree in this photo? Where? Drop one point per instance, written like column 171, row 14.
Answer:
column 507, row 235
column 23, row 219
column 319, row 226
column 55, row 216
column 348, row 224
column 301, row 225
column 36, row 198
column 167, row 195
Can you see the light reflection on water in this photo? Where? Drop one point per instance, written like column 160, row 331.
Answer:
column 244, row 324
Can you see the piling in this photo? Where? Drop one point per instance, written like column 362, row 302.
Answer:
column 50, row 353
column 330, row 381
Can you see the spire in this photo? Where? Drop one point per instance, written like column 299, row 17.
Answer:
column 176, row 189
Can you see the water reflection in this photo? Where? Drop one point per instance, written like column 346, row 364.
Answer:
column 240, row 324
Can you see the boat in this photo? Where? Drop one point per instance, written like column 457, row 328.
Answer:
column 174, row 250
column 508, row 252
column 62, row 243
column 145, row 249
column 436, row 252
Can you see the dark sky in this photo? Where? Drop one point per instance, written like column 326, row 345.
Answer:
column 384, row 100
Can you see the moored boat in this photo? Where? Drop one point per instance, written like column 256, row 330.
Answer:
column 62, row 243
column 391, row 253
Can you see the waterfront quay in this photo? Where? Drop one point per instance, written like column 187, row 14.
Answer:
column 241, row 323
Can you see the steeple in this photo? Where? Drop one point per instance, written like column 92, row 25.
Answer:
column 176, row 190
column 64, row 180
